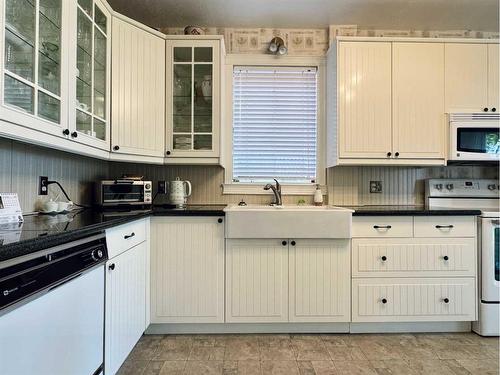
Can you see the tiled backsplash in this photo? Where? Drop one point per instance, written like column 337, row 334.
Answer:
column 21, row 164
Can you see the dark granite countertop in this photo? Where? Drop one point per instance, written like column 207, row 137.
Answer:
column 40, row 232
column 408, row 211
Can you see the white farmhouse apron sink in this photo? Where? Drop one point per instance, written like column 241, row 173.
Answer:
column 288, row 221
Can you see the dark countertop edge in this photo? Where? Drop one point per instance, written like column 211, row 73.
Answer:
column 416, row 212
column 33, row 245
column 14, row 250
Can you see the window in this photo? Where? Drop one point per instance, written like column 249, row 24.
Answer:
column 275, row 124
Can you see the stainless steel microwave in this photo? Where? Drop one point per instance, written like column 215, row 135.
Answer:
column 474, row 137
column 124, row 192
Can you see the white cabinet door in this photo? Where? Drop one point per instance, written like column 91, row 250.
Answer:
column 193, row 98
column 418, row 100
column 33, row 65
column 493, row 68
column 256, row 281
column 320, row 280
column 413, row 300
column 364, row 99
column 187, row 270
column 90, row 73
column 126, row 277
column 138, row 97
column 466, row 77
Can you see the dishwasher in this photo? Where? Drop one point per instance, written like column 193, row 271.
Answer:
column 52, row 310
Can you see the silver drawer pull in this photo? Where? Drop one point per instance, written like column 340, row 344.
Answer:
column 129, row 236
column 382, row 226
column 444, row 226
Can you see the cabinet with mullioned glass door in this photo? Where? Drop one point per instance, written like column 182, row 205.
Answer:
column 33, row 59
column 90, row 78
column 193, row 99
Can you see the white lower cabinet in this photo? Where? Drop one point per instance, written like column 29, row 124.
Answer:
column 412, row 300
column 319, row 281
column 256, row 280
column 126, row 277
column 413, row 257
column 187, row 270
column 429, row 274
column 288, row 280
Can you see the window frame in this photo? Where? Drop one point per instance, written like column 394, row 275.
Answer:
column 230, row 187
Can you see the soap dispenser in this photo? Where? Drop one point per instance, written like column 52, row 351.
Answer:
column 318, row 196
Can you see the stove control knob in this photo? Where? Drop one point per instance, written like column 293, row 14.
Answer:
column 97, row 254
column 449, row 186
column 492, row 187
column 439, row 187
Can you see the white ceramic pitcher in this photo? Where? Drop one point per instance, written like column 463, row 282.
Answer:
column 179, row 191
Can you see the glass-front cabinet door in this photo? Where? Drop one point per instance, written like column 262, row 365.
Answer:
column 193, row 100
column 91, row 80
column 33, row 54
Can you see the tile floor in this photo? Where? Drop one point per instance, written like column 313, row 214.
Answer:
column 336, row 354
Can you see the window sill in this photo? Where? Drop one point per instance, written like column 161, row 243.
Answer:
column 258, row 189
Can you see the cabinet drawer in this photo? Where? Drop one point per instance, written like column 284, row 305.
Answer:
column 382, row 226
column 445, row 226
column 407, row 300
column 414, row 257
column 124, row 237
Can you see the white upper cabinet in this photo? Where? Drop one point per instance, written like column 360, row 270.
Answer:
column 466, row 73
column 419, row 121
column 90, row 74
column 364, row 99
column 193, row 99
column 34, row 57
column 493, row 68
column 138, row 95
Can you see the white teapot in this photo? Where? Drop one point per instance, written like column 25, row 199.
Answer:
column 179, row 191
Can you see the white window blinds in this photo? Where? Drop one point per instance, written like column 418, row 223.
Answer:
column 274, row 124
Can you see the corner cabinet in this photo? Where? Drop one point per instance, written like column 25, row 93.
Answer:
column 187, row 269
column 193, row 100
column 138, row 97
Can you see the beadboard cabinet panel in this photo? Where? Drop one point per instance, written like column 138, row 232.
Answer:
column 493, row 68
column 364, row 101
column 320, row 281
column 126, row 277
column 256, row 281
column 418, row 100
column 466, row 77
column 414, row 257
column 138, row 97
column 187, row 270
column 412, row 300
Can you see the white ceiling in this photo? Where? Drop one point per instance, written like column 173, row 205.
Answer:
column 481, row 15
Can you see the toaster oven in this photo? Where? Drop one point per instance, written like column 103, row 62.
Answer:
column 124, row 192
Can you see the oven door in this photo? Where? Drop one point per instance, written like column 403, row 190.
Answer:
column 474, row 141
column 490, row 259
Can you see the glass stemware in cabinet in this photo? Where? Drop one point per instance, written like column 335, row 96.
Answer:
column 18, row 94
column 20, row 17
column 99, row 73
column 49, row 46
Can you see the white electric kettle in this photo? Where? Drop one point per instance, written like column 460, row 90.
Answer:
column 179, row 191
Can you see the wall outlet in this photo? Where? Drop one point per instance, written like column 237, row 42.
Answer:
column 43, row 185
column 375, row 186
column 162, row 187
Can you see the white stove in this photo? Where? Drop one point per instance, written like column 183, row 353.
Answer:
column 483, row 195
